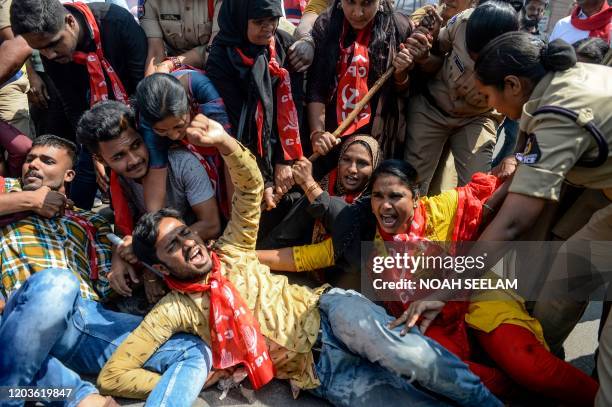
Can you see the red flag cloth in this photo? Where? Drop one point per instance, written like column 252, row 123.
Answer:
column 96, row 63
column 123, row 216
column 234, row 331
column 599, row 25
column 470, row 203
column 353, row 69
column 286, row 113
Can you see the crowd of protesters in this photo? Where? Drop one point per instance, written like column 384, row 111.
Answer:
column 157, row 199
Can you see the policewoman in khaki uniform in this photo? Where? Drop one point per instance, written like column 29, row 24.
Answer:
column 565, row 112
column 180, row 29
column 450, row 108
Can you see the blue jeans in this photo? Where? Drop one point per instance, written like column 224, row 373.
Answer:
column 363, row 363
column 49, row 335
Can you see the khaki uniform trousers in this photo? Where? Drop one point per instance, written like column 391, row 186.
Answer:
column 14, row 108
column 471, row 141
column 583, row 264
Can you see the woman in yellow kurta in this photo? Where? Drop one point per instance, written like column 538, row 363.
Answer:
column 502, row 327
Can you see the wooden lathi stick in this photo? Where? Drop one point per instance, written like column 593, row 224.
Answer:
column 359, row 107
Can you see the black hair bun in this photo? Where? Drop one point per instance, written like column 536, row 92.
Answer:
column 558, row 55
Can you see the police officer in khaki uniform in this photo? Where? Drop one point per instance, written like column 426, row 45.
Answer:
column 179, row 29
column 450, row 108
column 566, row 124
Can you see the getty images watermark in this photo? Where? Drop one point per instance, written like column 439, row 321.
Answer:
column 402, row 268
column 492, row 270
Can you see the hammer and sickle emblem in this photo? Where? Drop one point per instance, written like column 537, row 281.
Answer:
column 349, row 102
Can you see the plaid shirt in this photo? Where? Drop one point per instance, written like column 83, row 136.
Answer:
column 36, row 243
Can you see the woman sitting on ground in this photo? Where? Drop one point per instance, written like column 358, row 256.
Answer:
column 510, row 337
column 359, row 157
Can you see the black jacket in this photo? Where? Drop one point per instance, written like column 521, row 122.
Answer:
column 125, row 47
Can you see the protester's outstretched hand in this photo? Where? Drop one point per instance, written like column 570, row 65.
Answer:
column 427, row 311
column 505, row 168
column 205, row 132
column 37, row 95
column 118, row 276
column 323, row 142
column 404, row 59
column 302, row 172
column 301, row 54
column 49, row 203
column 269, row 202
column 283, row 179
column 154, row 287
column 419, row 45
column 101, row 178
column 126, row 251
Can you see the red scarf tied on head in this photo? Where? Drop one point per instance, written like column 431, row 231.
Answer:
column 353, row 69
column 96, row 63
column 286, row 114
column 234, row 331
column 599, row 25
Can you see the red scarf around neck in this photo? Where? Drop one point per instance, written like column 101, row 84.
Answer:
column 599, row 25
column 353, row 69
column 416, row 231
column 96, row 63
column 331, row 188
column 286, row 113
column 234, row 331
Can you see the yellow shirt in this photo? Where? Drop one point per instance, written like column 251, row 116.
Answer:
column 486, row 311
column 316, row 6
column 287, row 314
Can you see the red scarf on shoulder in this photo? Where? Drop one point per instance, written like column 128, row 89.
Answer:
column 286, row 113
column 599, row 25
column 96, row 63
column 234, row 331
column 353, row 69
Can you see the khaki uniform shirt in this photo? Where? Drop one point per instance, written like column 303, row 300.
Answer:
column 288, row 314
column 183, row 24
column 5, row 15
column 555, row 143
column 5, row 21
column 454, row 87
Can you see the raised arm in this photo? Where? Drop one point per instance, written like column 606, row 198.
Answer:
column 14, row 53
column 242, row 228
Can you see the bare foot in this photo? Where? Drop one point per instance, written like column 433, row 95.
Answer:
column 96, row 400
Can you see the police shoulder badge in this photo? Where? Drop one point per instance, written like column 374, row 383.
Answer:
column 532, row 153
